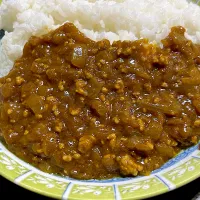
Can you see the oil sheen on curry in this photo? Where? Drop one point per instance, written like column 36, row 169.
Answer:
column 89, row 109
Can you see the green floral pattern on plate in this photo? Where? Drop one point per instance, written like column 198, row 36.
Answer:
column 10, row 168
column 45, row 185
column 141, row 189
column 91, row 192
column 184, row 172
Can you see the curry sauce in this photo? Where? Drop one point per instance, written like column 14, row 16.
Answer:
column 89, row 109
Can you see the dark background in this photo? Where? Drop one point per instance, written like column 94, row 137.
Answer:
column 11, row 191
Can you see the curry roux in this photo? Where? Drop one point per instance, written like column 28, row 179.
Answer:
column 89, row 109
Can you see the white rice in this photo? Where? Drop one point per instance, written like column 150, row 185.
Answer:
column 111, row 19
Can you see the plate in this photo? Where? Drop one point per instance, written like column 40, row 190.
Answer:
column 182, row 169
column 177, row 172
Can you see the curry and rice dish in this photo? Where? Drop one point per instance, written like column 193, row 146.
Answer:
column 89, row 109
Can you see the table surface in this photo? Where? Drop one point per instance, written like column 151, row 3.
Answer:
column 187, row 192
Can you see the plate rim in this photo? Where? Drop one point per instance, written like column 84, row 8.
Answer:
column 195, row 153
